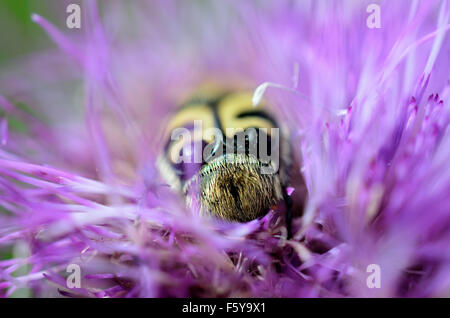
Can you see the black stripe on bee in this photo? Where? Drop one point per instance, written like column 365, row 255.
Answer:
column 258, row 113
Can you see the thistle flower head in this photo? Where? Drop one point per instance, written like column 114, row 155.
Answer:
column 368, row 115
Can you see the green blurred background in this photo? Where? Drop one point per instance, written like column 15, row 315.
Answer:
column 19, row 36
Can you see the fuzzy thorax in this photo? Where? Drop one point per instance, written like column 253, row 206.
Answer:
column 233, row 187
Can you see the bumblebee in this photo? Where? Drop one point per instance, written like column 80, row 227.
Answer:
column 215, row 156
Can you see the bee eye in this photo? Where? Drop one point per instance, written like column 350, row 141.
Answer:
column 246, row 141
column 257, row 140
column 251, row 134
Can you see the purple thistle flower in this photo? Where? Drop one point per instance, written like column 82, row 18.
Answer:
column 368, row 112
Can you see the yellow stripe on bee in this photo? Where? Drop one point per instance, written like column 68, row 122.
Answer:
column 186, row 116
column 233, row 105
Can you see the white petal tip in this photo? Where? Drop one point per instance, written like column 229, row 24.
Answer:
column 35, row 17
column 258, row 94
